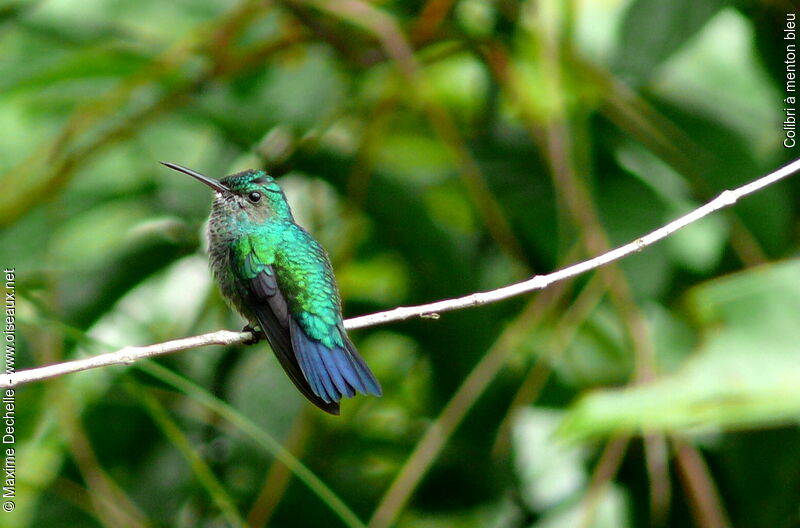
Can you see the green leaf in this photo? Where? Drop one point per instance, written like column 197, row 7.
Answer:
column 745, row 372
column 652, row 30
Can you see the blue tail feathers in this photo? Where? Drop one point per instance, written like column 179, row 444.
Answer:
column 332, row 372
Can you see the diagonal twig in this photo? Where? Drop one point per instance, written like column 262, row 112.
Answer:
column 131, row 354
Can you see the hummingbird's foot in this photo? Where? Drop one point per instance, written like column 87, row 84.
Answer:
column 258, row 334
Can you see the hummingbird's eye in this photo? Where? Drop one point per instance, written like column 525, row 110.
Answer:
column 254, row 196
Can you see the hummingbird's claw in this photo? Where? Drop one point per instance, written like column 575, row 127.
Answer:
column 258, row 334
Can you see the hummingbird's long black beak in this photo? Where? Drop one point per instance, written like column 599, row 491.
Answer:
column 211, row 182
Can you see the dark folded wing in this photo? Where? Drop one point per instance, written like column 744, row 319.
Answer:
column 268, row 305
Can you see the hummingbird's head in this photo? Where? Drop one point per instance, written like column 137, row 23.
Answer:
column 251, row 196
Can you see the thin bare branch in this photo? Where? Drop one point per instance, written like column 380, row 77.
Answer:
column 123, row 356
column 128, row 355
column 703, row 495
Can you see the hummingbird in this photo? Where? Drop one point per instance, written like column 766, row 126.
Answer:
column 276, row 275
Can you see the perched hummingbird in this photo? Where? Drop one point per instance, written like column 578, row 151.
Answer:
column 280, row 279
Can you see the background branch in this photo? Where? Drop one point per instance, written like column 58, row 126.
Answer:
column 131, row 354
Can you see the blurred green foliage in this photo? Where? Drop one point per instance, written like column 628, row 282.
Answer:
column 436, row 148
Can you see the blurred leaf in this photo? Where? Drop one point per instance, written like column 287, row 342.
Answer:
column 745, row 373
column 460, row 82
column 652, row 30
column 382, row 280
column 722, row 50
column 611, row 511
column 550, row 471
column 102, row 62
